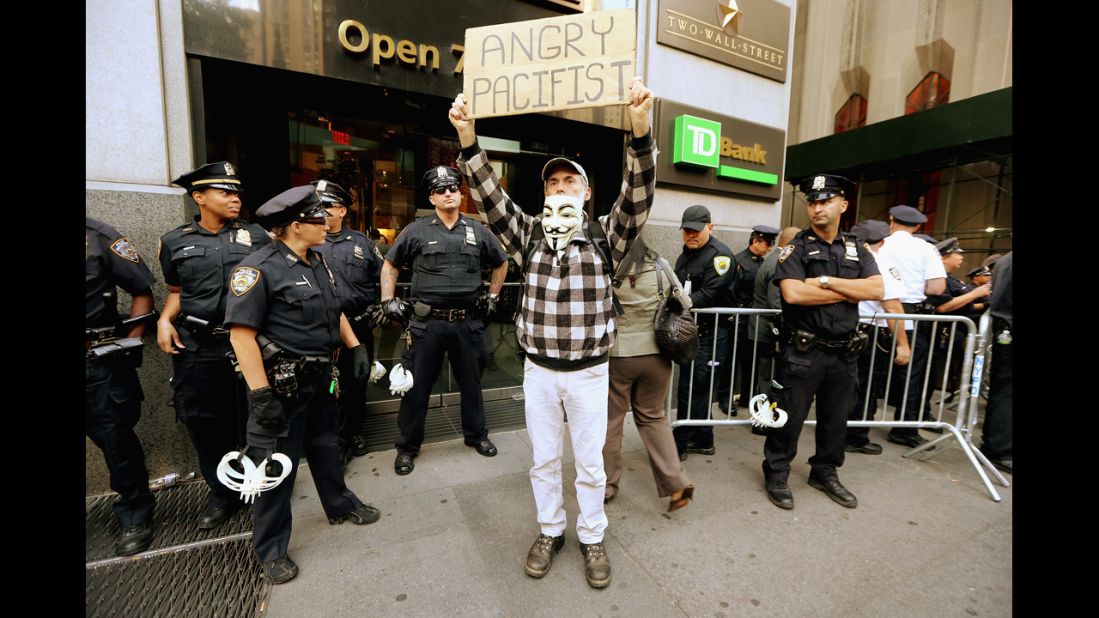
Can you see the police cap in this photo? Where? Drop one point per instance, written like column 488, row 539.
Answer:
column 331, row 193
column 441, row 176
column 556, row 163
column 291, row 205
column 870, row 231
column 217, row 175
column 990, row 261
column 928, row 238
column 979, row 271
column 825, row 186
column 906, row 215
column 767, row 232
column 948, row 246
column 695, row 218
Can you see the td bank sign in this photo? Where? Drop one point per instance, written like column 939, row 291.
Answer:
column 719, row 153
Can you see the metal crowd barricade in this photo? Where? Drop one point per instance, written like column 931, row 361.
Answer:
column 961, row 430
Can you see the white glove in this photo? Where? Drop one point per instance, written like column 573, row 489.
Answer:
column 400, row 381
column 377, row 372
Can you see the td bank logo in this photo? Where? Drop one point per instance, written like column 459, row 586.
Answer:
column 698, row 143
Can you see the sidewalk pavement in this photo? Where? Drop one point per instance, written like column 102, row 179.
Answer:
column 925, row 540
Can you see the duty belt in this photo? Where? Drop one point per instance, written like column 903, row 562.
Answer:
column 450, row 315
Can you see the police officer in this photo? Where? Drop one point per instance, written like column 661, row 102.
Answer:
column 762, row 329
column 922, row 275
column 356, row 260
column 112, row 393
column 706, row 264
column 445, row 252
column 962, row 299
column 745, row 264
column 980, row 276
column 285, row 295
column 880, row 351
column 821, row 274
column 996, row 431
column 197, row 258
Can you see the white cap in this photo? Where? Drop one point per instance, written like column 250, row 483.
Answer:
column 562, row 161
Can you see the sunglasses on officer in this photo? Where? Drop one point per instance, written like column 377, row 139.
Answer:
column 440, row 190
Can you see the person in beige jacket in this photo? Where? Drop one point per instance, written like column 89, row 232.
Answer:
column 639, row 378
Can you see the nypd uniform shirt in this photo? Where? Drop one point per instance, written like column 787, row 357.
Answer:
column 712, row 274
column 446, row 264
column 916, row 260
column 293, row 303
column 809, row 257
column 358, row 264
column 199, row 261
column 891, row 280
column 110, row 260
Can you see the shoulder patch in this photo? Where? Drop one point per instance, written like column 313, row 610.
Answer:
column 244, row 279
column 376, row 252
column 159, row 247
column 785, row 253
column 124, row 249
column 896, row 273
column 722, row 263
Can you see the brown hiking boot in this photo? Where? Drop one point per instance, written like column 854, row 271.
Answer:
column 540, row 556
column 597, row 566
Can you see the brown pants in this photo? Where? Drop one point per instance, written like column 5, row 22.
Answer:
column 641, row 382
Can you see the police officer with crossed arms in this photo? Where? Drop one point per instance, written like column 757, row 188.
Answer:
column 822, row 274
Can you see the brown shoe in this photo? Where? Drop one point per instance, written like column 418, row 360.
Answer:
column 540, row 556
column 597, row 566
column 681, row 498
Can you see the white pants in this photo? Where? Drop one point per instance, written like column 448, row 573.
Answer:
column 582, row 394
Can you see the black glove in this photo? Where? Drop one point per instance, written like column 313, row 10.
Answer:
column 395, row 309
column 266, row 409
column 360, row 362
column 372, row 316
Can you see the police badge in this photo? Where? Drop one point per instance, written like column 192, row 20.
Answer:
column 229, row 169
column 359, row 252
column 244, row 237
column 123, row 249
column 243, row 279
column 818, row 183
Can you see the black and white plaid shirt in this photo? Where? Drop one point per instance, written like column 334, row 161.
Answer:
column 567, row 317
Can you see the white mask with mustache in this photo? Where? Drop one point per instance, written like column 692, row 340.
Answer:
column 561, row 216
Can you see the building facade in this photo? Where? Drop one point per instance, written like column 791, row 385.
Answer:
column 291, row 91
column 912, row 98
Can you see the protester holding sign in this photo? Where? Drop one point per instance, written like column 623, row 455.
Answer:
column 566, row 322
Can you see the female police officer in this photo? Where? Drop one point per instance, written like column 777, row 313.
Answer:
column 286, row 294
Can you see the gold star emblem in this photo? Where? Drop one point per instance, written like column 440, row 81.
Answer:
column 731, row 14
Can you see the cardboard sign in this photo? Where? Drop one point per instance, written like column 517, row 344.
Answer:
column 584, row 60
